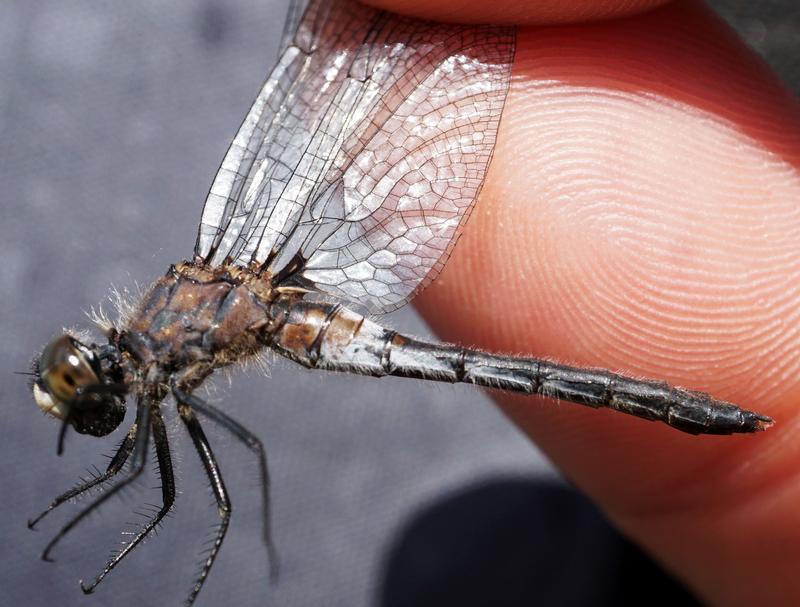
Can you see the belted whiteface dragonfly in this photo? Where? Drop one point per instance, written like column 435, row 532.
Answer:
column 343, row 193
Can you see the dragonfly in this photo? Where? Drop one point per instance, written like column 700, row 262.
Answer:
column 340, row 197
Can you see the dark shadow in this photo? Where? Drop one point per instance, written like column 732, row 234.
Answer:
column 519, row 542
column 213, row 23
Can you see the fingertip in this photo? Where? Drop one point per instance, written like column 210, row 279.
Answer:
column 640, row 210
column 514, row 12
column 640, row 214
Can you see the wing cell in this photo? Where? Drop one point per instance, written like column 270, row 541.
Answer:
column 363, row 153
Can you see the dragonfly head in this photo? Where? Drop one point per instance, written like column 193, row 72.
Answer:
column 73, row 383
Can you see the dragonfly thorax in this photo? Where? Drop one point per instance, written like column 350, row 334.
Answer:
column 196, row 319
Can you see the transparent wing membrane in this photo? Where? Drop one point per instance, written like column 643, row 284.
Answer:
column 363, row 152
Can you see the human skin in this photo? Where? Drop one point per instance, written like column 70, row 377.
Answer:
column 642, row 213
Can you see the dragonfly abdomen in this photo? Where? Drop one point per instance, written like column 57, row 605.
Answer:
column 328, row 336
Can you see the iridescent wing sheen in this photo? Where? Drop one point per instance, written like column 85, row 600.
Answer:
column 362, row 154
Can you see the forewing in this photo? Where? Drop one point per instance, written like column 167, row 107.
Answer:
column 363, row 153
column 293, row 16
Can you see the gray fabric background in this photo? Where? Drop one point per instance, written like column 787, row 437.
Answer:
column 113, row 119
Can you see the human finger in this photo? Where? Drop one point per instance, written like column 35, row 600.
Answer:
column 641, row 213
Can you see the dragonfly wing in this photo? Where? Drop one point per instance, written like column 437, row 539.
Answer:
column 293, row 16
column 363, row 153
column 270, row 142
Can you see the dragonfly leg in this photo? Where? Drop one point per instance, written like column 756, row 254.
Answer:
column 114, row 466
column 252, row 442
column 167, row 498
column 217, row 486
column 141, row 431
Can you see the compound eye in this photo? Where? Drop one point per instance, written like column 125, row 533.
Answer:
column 63, row 368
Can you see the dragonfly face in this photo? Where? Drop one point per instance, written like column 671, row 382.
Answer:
column 72, row 385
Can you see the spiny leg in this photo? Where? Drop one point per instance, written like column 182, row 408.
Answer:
column 217, row 486
column 114, row 466
column 167, row 498
column 252, row 442
column 141, row 429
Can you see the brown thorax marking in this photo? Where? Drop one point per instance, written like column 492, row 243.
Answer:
column 259, row 283
column 258, row 280
column 202, row 317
